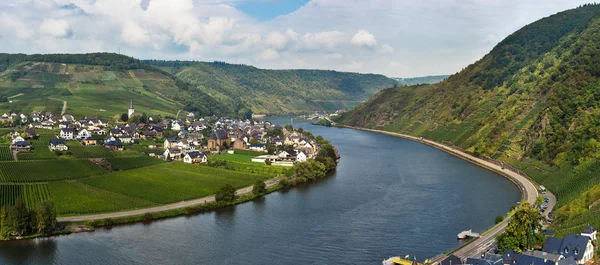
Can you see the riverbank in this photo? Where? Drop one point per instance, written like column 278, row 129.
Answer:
column 529, row 192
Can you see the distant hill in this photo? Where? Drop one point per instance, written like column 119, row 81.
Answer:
column 532, row 102
column 277, row 91
column 431, row 79
column 103, row 83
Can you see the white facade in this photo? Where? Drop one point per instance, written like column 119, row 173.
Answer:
column 301, row 157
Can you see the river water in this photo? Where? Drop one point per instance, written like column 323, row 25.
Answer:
column 388, row 197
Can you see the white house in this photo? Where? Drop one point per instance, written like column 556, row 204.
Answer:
column 83, row 134
column 177, row 125
column 66, row 133
column 173, row 153
column 258, row 147
column 301, row 157
column 58, row 144
column 194, row 157
column 17, row 139
column 590, row 232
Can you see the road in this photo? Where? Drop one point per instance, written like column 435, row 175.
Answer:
column 162, row 208
column 529, row 193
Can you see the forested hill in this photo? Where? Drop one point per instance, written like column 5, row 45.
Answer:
column 431, row 79
column 276, row 91
column 533, row 102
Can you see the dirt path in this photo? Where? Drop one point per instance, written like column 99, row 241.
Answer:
column 64, row 107
column 17, row 95
column 529, row 193
column 15, row 155
column 173, row 206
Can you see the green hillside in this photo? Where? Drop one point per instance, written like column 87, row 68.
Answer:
column 533, row 102
column 277, row 91
column 98, row 84
column 430, row 79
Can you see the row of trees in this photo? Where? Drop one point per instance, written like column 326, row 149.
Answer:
column 18, row 220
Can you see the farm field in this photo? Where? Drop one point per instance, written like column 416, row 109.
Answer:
column 125, row 163
column 30, row 194
column 5, row 153
column 172, row 182
column 47, row 170
column 80, row 151
column 73, row 197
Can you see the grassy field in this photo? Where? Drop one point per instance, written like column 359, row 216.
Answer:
column 243, row 163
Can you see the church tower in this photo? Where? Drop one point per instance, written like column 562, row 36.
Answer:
column 130, row 112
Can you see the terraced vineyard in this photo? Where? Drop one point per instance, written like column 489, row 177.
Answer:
column 30, row 194
column 47, row 170
column 125, row 163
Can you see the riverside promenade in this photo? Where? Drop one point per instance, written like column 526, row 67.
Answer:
column 529, row 193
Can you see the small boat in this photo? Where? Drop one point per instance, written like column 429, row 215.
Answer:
column 400, row 261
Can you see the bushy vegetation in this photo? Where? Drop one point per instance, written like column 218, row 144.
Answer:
column 532, row 102
column 20, row 220
column 523, row 232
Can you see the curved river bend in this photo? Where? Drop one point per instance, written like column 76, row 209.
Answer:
column 388, row 197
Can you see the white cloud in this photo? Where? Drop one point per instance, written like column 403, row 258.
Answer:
column 386, row 49
column 334, row 56
column 363, row 38
column 428, row 37
column 133, row 34
column 268, row 55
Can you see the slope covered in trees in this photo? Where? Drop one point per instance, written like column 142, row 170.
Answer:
column 275, row 91
column 431, row 79
column 533, row 102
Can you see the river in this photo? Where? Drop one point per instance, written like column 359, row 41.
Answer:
column 389, row 196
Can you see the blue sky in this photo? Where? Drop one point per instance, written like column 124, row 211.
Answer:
column 269, row 9
column 397, row 38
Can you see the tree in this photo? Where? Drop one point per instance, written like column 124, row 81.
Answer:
column 18, row 219
column 46, row 215
column 520, row 234
column 310, row 169
column 284, row 183
column 289, row 127
column 498, row 219
column 144, row 117
column 124, row 117
column 226, row 193
column 259, row 187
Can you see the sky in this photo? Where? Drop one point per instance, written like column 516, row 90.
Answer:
column 397, row 38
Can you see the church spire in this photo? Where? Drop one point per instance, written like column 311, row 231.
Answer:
column 131, row 104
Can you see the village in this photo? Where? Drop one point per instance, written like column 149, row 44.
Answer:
column 190, row 139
